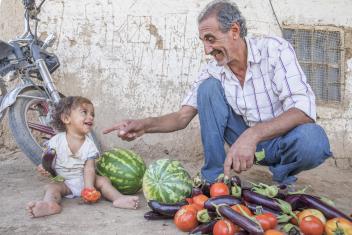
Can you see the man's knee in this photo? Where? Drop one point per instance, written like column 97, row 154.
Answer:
column 312, row 145
column 208, row 87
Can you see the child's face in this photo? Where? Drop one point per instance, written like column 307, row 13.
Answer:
column 81, row 119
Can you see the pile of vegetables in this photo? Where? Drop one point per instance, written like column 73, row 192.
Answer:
column 227, row 207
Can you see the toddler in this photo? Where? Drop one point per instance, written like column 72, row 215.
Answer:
column 75, row 160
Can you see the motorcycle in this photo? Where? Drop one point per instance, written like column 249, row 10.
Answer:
column 31, row 102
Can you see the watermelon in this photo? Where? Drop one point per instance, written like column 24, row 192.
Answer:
column 124, row 168
column 166, row 181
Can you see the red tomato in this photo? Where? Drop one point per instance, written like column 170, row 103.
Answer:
column 189, row 200
column 186, row 218
column 218, row 189
column 90, row 195
column 243, row 207
column 335, row 225
column 314, row 212
column 267, row 221
column 225, row 227
column 311, row 225
column 273, row 232
column 293, row 220
column 199, row 200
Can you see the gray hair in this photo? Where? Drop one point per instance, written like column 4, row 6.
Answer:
column 226, row 13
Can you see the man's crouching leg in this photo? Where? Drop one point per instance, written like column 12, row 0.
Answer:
column 218, row 124
column 303, row 148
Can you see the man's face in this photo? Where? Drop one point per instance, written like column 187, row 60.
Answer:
column 216, row 43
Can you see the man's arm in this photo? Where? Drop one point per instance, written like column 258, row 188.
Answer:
column 241, row 153
column 170, row 122
column 131, row 129
column 280, row 125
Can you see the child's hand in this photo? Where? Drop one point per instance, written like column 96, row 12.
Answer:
column 90, row 195
column 42, row 171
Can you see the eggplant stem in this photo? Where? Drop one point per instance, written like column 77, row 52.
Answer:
column 301, row 191
column 217, row 207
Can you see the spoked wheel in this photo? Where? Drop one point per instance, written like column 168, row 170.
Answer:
column 3, row 92
column 29, row 123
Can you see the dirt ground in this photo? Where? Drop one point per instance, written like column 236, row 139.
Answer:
column 20, row 183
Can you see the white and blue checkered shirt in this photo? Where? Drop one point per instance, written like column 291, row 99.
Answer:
column 273, row 84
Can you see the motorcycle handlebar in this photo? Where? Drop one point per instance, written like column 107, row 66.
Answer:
column 29, row 4
column 49, row 41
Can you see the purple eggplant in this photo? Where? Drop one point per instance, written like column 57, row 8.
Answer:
column 48, row 158
column 224, row 199
column 254, row 208
column 236, row 218
column 206, row 188
column 196, row 191
column 235, row 180
column 283, row 191
column 242, row 232
column 261, row 200
column 166, row 208
column 296, row 202
column 152, row 215
column 329, row 211
column 204, row 228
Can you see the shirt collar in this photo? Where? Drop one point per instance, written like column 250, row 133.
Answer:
column 252, row 51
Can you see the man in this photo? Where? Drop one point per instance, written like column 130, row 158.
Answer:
column 254, row 95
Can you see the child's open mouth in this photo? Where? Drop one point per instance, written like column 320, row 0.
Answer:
column 88, row 124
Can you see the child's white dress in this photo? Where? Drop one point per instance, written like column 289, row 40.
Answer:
column 71, row 166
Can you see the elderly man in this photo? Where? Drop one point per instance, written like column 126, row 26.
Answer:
column 254, row 95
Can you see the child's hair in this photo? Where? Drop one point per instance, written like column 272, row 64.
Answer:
column 65, row 106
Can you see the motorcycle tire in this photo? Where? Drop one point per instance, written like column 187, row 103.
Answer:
column 26, row 139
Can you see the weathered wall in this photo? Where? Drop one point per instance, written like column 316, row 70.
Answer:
column 334, row 118
column 11, row 19
column 138, row 58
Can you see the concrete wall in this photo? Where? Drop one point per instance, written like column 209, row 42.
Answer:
column 138, row 58
column 334, row 118
column 11, row 24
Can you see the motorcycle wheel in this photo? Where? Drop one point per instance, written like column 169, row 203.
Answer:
column 28, row 124
column 3, row 92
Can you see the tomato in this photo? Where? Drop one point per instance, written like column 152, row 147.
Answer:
column 314, row 212
column 273, row 232
column 267, row 221
column 90, row 195
column 238, row 208
column 189, row 200
column 311, row 225
column 199, row 200
column 185, row 218
column 225, row 227
column 293, row 220
column 337, row 226
column 218, row 189
column 191, row 207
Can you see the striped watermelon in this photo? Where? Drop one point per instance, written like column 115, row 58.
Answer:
column 166, row 181
column 124, row 168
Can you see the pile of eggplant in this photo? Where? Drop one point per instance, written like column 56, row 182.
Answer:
column 258, row 198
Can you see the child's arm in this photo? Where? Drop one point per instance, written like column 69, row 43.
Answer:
column 89, row 174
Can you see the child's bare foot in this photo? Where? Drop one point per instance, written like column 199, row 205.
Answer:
column 42, row 208
column 126, row 202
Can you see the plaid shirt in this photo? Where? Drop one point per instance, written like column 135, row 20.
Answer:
column 273, row 84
